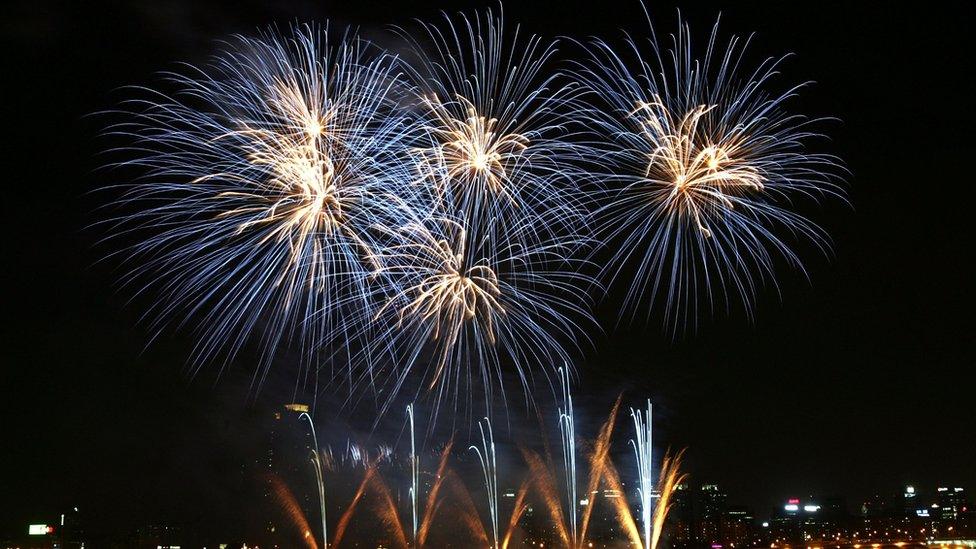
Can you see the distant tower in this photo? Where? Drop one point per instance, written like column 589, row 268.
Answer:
column 681, row 517
column 286, row 458
column 909, row 501
column 713, row 507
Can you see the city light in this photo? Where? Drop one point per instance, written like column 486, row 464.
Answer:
column 39, row 530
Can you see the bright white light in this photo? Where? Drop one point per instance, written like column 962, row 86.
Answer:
column 792, row 507
column 811, row 508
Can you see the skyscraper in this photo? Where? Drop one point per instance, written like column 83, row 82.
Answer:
column 713, row 503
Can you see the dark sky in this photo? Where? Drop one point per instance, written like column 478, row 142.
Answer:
column 855, row 382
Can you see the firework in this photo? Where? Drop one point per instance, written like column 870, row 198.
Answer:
column 489, row 468
column 414, row 473
column 468, row 307
column 669, row 481
column 567, row 431
column 266, row 176
column 488, row 282
column 644, row 452
column 315, row 457
column 496, row 117
column 705, row 164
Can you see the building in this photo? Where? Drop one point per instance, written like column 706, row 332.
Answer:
column 713, row 508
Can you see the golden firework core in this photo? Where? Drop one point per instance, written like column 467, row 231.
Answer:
column 296, row 195
column 687, row 171
column 470, row 150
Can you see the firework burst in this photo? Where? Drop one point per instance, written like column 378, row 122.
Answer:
column 269, row 175
column 496, row 120
column 704, row 164
column 486, row 283
column 467, row 307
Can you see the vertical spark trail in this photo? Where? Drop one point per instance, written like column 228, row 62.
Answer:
column 489, row 468
column 567, row 430
column 643, row 451
column 517, row 511
column 319, row 475
column 414, row 471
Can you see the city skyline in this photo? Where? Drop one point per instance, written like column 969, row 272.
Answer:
column 847, row 378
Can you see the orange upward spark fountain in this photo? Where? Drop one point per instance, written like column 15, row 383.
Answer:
column 468, row 512
column 387, row 511
column 624, row 517
column 385, row 508
column 433, row 503
column 293, row 511
column 598, row 460
column 545, row 484
column 347, row 516
column 517, row 512
column 671, row 477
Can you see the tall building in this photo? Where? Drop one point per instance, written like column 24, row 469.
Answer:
column 951, row 502
column 909, row 500
column 284, row 462
column 713, row 503
column 681, row 518
column 737, row 527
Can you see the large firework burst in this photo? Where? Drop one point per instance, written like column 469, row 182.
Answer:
column 496, row 119
column 705, row 163
column 269, row 176
column 486, row 284
column 470, row 307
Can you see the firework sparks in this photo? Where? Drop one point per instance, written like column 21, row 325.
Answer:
column 705, row 165
column 644, row 452
column 470, row 152
column 480, row 281
column 454, row 292
column 496, row 124
column 489, row 468
column 694, row 179
column 467, row 306
column 265, row 175
column 671, row 477
column 286, row 500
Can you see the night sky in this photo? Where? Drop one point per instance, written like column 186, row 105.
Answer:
column 854, row 382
